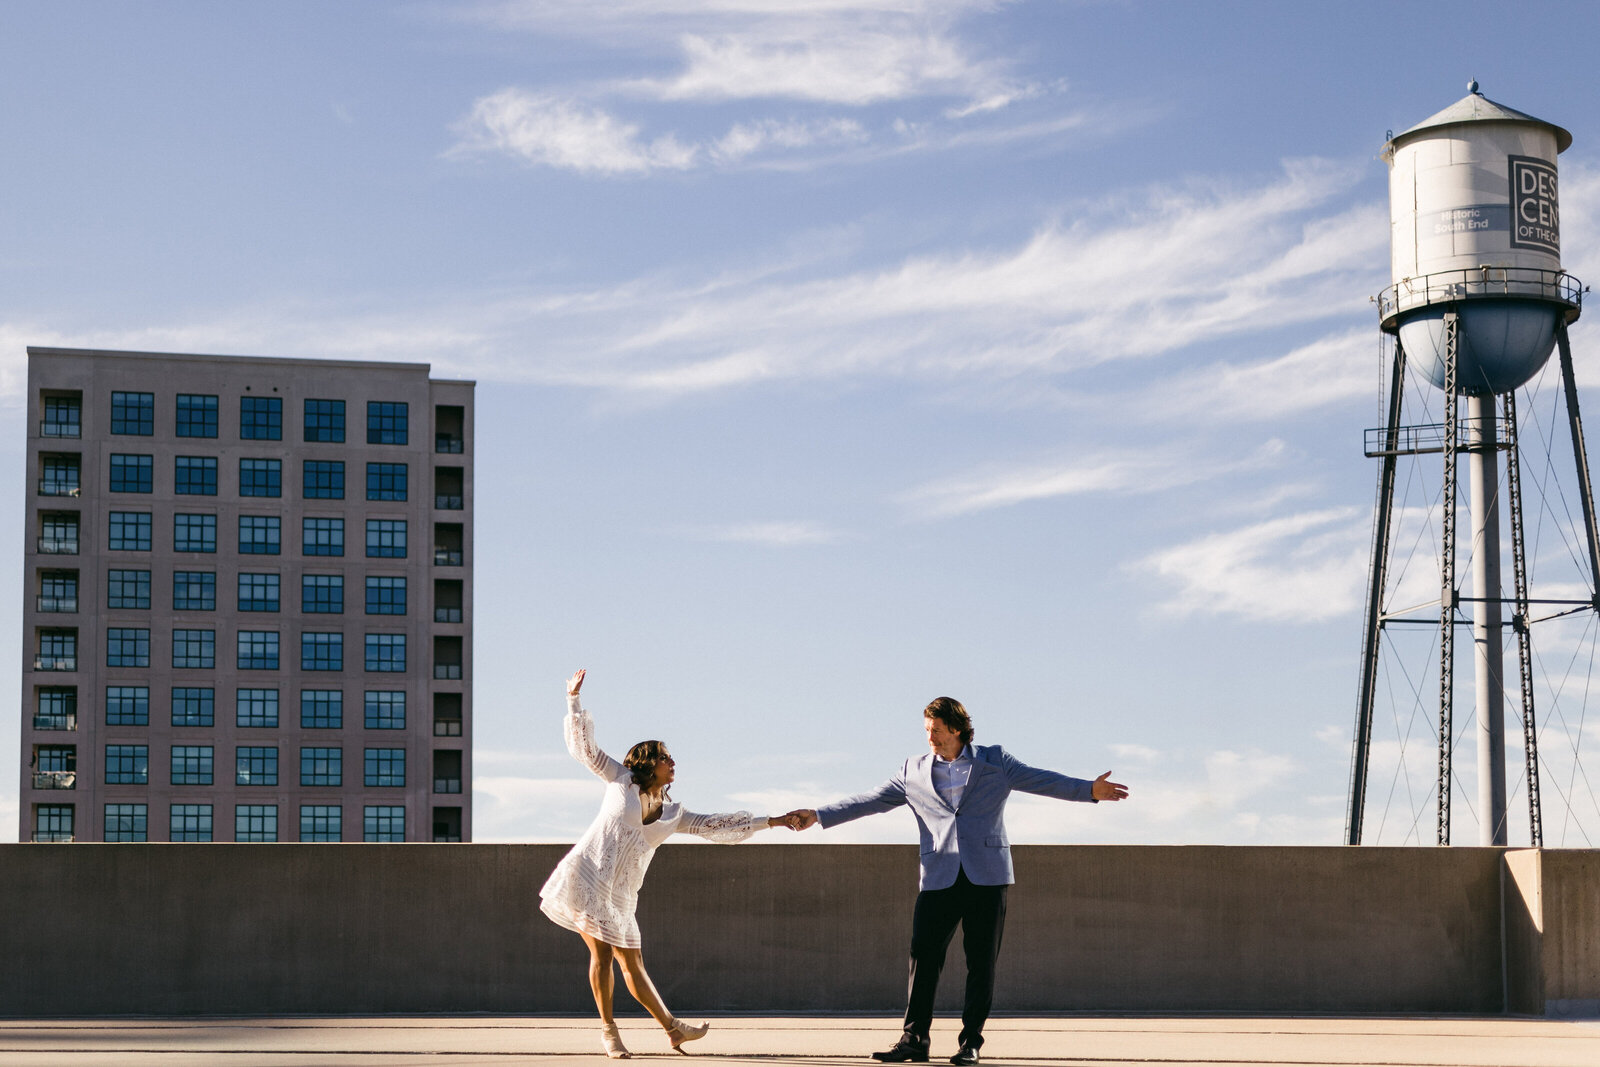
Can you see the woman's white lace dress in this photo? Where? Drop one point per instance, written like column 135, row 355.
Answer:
column 595, row 888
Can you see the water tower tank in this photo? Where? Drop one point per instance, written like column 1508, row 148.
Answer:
column 1475, row 228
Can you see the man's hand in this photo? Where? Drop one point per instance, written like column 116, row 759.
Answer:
column 801, row 818
column 1108, row 790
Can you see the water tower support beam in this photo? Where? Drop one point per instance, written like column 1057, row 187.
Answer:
column 1447, row 580
column 1581, row 458
column 1519, row 621
column 1488, row 631
column 1378, row 576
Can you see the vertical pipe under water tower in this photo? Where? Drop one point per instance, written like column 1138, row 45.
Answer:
column 1488, row 659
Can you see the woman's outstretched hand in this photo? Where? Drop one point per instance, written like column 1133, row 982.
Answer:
column 575, row 683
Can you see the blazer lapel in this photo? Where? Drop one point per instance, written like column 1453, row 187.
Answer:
column 926, row 776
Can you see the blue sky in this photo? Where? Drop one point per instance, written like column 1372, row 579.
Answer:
column 831, row 357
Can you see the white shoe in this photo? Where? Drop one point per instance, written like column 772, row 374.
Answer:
column 612, row 1042
column 679, row 1032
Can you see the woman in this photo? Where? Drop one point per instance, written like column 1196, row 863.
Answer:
column 595, row 888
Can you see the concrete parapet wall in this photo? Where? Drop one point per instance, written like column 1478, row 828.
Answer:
column 1553, row 932
column 95, row 929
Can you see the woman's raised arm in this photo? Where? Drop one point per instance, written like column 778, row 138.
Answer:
column 578, row 729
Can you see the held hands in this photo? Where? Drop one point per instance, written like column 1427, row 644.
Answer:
column 1108, row 790
column 801, row 818
column 798, row 819
column 575, row 683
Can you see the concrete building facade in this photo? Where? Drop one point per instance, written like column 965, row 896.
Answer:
column 248, row 600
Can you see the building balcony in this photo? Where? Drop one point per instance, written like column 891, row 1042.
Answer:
column 60, row 429
column 446, row 614
column 447, row 557
column 57, row 603
column 447, row 839
column 58, row 546
column 448, row 443
column 55, row 779
column 42, row 836
column 55, row 722
column 447, row 502
column 447, row 728
column 447, row 785
column 55, row 663
column 50, row 487
column 448, row 671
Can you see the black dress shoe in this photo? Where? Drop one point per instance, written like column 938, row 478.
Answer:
column 907, row 1050
column 966, row 1057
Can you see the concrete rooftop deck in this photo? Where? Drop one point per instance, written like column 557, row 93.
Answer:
column 1425, row 1041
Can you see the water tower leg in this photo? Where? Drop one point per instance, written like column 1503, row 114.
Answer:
column 1377, row 576
column 1519, row 620
column 1487, row 632
column 1585, row 488
column 1447, row 582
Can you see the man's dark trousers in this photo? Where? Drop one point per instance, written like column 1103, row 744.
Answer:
column 981, row 911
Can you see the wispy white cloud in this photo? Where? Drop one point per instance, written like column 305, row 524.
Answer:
column 1187, row 265
column 998, row 486
column 847, row 52
column 550, row 131
column 744, row 139
column 1305, row 567
column 1330, row 370
column 854, row 64
column 816, row 57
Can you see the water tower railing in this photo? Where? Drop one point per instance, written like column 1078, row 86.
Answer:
column 1427, row 438
column 1477, row 283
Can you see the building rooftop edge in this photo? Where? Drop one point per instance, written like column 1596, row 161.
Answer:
column 52, row 350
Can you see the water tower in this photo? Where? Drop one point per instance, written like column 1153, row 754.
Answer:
column 1477, row 304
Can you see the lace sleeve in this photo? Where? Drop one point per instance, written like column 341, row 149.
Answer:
column 579, row 732
column 724, row 829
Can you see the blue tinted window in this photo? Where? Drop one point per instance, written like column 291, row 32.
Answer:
column 323, row 479
column 131, row 474
column 195, row 476
column 386, row 422
column 194, row 533
column 322, row 537
column 133, row 413
column 130, row 531
column 197, row 415
column 194, row 591
column 261, row 418
column 259, row 534
column 325, row 420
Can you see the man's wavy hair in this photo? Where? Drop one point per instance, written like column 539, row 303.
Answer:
column 949, row 711
column 642, row 759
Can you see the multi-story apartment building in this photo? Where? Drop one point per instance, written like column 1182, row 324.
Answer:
column 248, row 600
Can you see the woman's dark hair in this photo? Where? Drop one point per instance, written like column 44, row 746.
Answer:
column 949, row 711
column 642, row 759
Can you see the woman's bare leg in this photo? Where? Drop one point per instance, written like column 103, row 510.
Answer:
column 601, row 978
column 639, row 984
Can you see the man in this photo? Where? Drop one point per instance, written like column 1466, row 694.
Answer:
column 958, row 794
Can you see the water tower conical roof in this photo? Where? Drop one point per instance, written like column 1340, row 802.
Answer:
column 1475, row 107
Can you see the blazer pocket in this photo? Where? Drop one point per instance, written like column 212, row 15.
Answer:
column 996, row 841
column 928, row 850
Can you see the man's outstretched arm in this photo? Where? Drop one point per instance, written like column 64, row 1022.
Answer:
column 887, row 797
column 1026, row 779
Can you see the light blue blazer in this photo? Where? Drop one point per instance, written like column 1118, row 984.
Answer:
column 972, row 837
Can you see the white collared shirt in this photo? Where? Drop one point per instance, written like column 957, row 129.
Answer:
column 950, row 777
